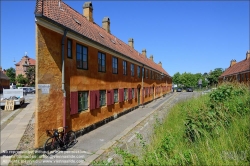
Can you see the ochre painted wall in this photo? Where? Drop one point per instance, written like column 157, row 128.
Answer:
column 49, row 108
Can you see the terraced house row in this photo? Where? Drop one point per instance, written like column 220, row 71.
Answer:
column 85, row 74
column 237, row 71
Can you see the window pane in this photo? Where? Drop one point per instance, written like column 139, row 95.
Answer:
column 78, row 48
column 82, row 101
column 78, row 59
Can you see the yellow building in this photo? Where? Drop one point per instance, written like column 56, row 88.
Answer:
column 86, row 74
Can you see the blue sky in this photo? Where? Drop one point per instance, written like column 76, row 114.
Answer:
column 186, row 36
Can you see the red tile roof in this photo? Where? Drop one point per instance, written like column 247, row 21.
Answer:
column 241, row 66
column 71, row 19
column 32, row 62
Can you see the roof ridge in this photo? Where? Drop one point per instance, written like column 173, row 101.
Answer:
column 64, row 15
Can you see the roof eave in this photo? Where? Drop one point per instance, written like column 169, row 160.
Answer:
column 68, row 29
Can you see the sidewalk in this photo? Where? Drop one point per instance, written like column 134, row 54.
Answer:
column 13, row 132
column 94, row 143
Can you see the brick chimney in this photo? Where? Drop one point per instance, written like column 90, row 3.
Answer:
column 106, row 24
column 248, row 54
column 0, row 69
column 88, row 11
column 144, row 52
column 131, row 42
column 233, row 61
column 160, row 64
column 151, row 58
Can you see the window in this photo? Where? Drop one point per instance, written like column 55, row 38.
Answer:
column 247, row 77
column 116, row 95
column 238, row 77
column 81, row 57
column 69, row 48
column 242, row 77
column 82, row 101
column 151, row 74
column 102, row 97
column 125, row 94
column 138, row 71
column 143, row 74
column 101, row 62
column 124, row 67
column 115, row 65
column 146, row 73
column 133, row 93
column 132, row 70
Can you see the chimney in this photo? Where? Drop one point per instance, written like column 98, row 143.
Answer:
column 106, row 24
column 151, row 58
column 233, row 61
column 88, row 11
column 144, row 52
column 131, row 42
column 0, row 69
column 160, row 64
column 248, row 54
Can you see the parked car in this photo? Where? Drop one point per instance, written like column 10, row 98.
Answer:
column 31, row 90
column 179, row 90
column 189, row 89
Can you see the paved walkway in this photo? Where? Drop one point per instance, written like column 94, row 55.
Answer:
column 93, row 144
column 13, row 132
column 90, row 146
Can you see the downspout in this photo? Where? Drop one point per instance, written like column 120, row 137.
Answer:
column 142, row 86
column 63, row 81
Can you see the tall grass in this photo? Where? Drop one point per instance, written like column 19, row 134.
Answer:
column 213, row 129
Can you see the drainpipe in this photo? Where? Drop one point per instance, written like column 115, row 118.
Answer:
column 63, row 81
column 142, row 86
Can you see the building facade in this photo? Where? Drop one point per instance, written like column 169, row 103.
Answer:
column 4, row 80
column 237, row 71
column 23, row 65
column 85, row 74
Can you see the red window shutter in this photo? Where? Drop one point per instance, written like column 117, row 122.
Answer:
column 120, row 95
column 129, row 93
column 109, row 97
column 135, row 91
column 92, row 100
column 73, row 103
column 97, row 99
column 112, row 96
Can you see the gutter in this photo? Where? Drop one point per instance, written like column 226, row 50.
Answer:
column 84, row 37
column 63, row 81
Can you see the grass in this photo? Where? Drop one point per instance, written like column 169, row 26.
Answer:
column 213, row 129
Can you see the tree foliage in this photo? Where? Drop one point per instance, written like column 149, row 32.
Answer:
column 30, row 75
column 21, row 79
column 213, row 76
column 11, row 73
column 191, row 80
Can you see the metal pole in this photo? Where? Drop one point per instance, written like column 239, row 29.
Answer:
column 142, row 85
column 63, row 81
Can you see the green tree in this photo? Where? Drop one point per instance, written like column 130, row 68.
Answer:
column 11, row 73
column 176, row 78
column 21, row 79
column 30, row 75
column 213, row 76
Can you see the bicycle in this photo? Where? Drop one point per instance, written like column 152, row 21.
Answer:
column 59, row 139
